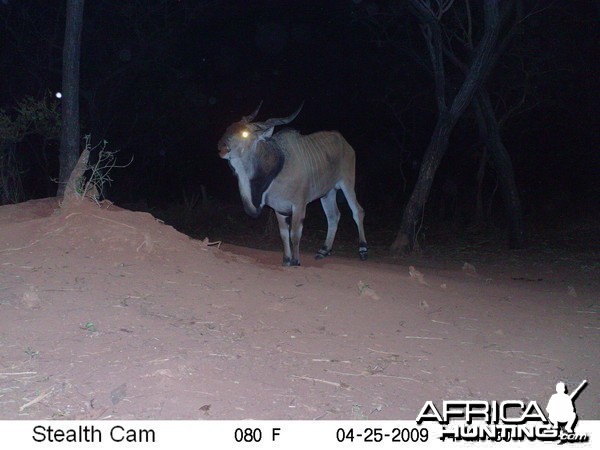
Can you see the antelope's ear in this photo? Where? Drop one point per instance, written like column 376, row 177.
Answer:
column 265, row 133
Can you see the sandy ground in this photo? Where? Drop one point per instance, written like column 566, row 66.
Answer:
column 108, row 313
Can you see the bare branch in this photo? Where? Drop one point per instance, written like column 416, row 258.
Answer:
column 433, row 37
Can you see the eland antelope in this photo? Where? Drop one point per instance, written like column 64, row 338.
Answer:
column 288, row 170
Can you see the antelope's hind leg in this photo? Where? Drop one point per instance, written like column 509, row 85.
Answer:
column 359, row 215
column 329, row 204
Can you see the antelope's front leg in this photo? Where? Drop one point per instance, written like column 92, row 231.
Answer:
column 284, row 232
column 297, row 224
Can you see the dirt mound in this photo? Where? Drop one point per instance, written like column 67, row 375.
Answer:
column 103, row 228
column 108, row 313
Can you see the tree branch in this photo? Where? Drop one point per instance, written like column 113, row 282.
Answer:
column 433, row 36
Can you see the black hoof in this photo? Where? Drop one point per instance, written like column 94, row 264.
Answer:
column 322, row 253
column 363, row 252
column 290, row 262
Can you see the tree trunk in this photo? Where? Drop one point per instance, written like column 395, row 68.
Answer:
column 490, row 134
column 406, row 239
column 69, row 137
column 479, row 215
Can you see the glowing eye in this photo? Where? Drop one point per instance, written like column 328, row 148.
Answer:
column 245, row 134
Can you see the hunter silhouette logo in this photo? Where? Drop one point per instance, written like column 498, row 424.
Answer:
column 561, row 407
column 508, row 420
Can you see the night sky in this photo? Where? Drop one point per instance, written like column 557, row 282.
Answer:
column 161, row 80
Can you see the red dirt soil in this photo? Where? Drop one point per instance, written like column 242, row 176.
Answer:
column 108, row 313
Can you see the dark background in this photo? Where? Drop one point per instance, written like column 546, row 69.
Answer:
column 161, row 80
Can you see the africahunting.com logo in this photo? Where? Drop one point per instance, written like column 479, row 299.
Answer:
column 510, row 420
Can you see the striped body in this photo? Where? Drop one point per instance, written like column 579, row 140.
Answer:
column 314, row 164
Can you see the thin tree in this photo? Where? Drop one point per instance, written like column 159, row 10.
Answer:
column 489, row 127
column 489, row 131
column 449, row 109
column 70, row 134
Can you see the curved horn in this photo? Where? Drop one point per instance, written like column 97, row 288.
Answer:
column 251, row 117
column 282, row 121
